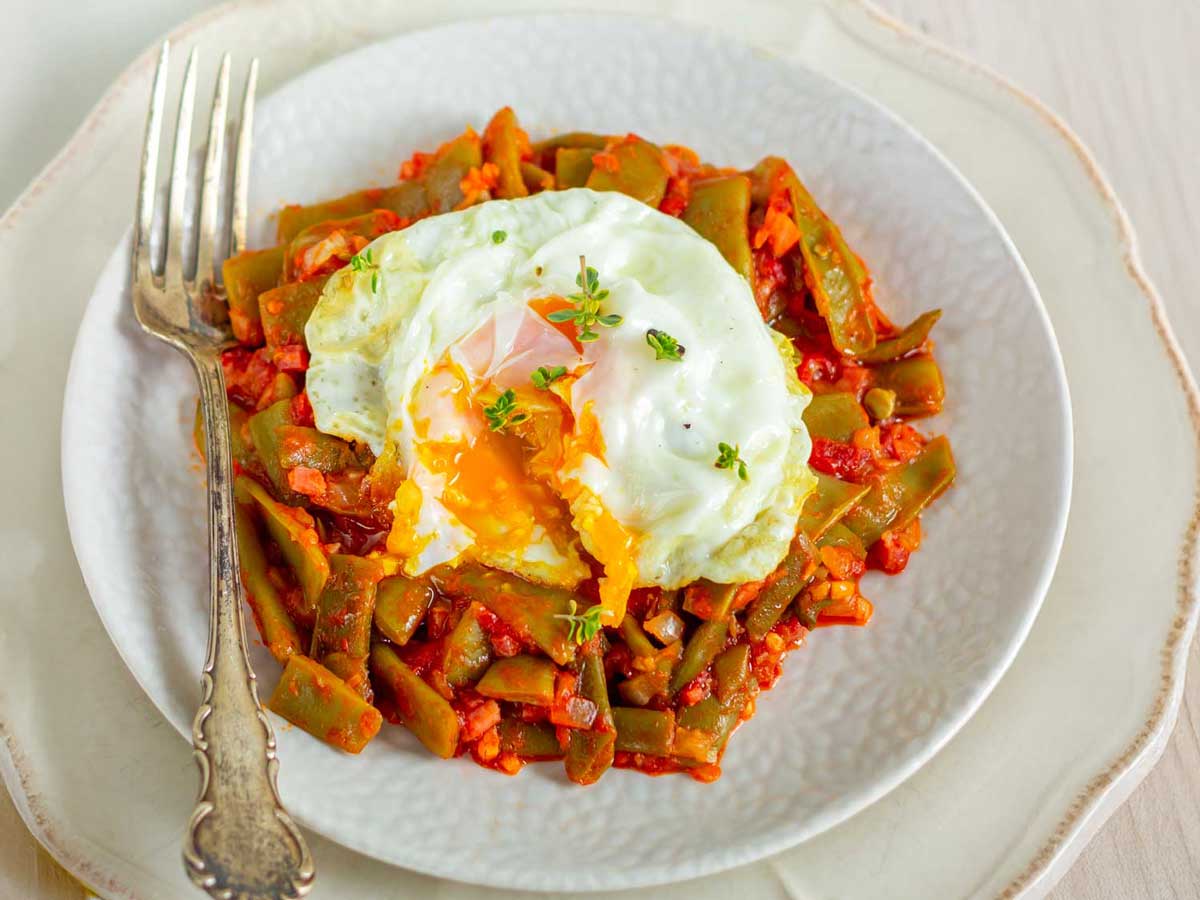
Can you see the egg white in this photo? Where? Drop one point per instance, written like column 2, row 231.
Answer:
column 661, row 421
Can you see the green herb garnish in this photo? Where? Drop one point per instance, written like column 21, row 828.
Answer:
column 543, row 377
column 730, row 459
column 498, row 237
column 586, row 312
column 363, row 262
column 583, row 627
column 665, row 346
column 503, row 412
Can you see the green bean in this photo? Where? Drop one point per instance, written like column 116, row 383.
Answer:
column 519, row 679
column 917, row 383
column 400, row 605
column 708, row 600
column 529, row 740
column 300, row 445
column 536, row 612
column 826, row 505
column 275, row 626
column 246, row 276
column 835, row 416
column 643, row 687
column 294, row 533
column 769, row 605
column 648, row 731
column 718, row 211
column 707, row 641
column 295, row 219
column 536, row 178
column 590, row 751
column 285, row 311
column 346, row 607
column 501, row 146
column 544, row 151
column 468, row 652
column 454, row 160
column 836, row 277
column 640, row 172
column 352, row 670
column 901, row 493
column 635, row 638
column 573, row 166
column 732, row 671
column 905, row 342
column 264, row 433
column 312, row 697
column 423, row 710
column 841, row 536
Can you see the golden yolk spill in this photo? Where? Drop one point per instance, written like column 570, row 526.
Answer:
column 402, row 540
column 490, row 492
column 613, row 546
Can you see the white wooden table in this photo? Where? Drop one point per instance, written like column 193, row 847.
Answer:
column 1122, row 74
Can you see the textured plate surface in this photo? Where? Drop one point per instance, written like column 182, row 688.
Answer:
column 857, row 710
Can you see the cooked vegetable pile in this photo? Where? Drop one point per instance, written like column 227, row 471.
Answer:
column 475, row 660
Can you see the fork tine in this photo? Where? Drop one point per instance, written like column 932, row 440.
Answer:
column 148, row 183
column 177, row 191
column 241, row 170
column 211, row 182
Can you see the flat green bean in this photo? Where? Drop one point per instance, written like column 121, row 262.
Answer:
column 706, row 642
column 454, row 160
column 648, row 731
column 901, row 493
column 831, row 500
column 916, row 382
column 908, row 340
column 835, row 416
column 519, row 679
column 640, row 172
column 501, row 147
column 590, row 751
column 468, row 652
column 246, row 276
column 572, row 166
column 275, row 626
column 718, row 211
column 346, row 607
column 400, row 605
column 293, row 532
column 424, row 711
column 312, row 697
column 529, row 740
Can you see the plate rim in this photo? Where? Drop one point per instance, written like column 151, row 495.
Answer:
column 73, row 852
column 782, row 836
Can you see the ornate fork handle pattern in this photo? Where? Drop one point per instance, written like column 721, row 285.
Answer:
column 240, row 843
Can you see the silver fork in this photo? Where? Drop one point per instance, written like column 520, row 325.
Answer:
column 241, row 844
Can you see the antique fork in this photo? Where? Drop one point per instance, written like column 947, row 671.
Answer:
column 241, row 844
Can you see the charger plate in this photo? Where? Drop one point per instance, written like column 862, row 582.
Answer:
column 1083, row 712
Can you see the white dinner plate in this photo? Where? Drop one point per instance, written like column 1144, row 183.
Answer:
column 858, row 710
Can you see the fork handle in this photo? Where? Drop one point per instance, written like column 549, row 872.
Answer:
column 241, row 844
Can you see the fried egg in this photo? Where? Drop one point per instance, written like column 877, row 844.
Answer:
column 412, row 351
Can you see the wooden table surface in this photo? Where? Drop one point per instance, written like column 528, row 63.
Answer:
column 1122, row 74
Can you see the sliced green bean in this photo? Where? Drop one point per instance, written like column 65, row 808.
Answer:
column 841, row 536
column 501, row 146
column 905, row 342
column 400, row 605
column 536, row 612
column 643, row 687
column 424, row 711
column 519, row 679
column 346, row 607
column 454, row 160
column 406, row 199
column 708, row 600
column 901, row 493
column 831, row 500
column 835, row 416
column 839, row 283
column 648, row 731
column 572, row 166
column 707, row 641
column 640, row 172
column 295, row 218
column 246, row 276
column 767, row 608
column 590, row 751
column 312, row 697
column 468, row 652
column 352, row 670
column 536, row 178
column 635, row 638
column 916, row 382
column 293, row 532
column 544, row 151
column 369, row 225
column 264, row 433
column 732, row 672
column 529, row 740
column 275, row 626
column 285, row 311
column 300, row 445
column 718, row 211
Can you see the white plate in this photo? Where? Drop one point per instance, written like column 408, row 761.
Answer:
column 859, row 710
